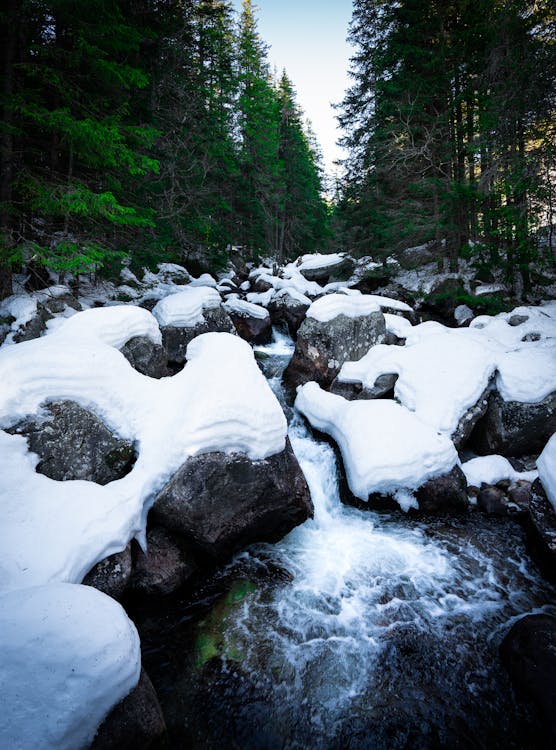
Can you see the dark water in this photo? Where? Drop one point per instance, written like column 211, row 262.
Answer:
column 359, row 630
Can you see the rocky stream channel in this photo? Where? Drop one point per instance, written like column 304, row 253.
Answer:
column 360, row 629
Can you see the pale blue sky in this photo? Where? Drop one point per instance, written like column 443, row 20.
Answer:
column 308, row 38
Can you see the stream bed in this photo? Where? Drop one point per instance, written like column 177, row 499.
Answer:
column 358, row 630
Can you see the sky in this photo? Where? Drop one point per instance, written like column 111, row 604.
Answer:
column 308, row 39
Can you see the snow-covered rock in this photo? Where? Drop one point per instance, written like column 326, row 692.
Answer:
column 492, row 469
column 386, row 449
column 205, row 408
column 546, row 464
column 288, row 309
column 337, row 328
column 325, row 268
column 252, row 322
column 68, row 654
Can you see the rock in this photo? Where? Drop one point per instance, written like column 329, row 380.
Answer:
column 444, row 494
column 176, row 339
column 146, row 357
column 470, row 419
column 57, row 304
column 74, row 443
column 520, row 494
column 45, row 312
column 221, row 503
column 252, row 329
column 373, row 278
column 382, row 388
column 415, row 257
column 165, row 567
column 529, row 654
column 339, row 271
column 541, row 530
column 443, row 298
column 517, row 320
column 288, row 312
column 111, row 575
column 323, row 347
column 136, row 723
column 463, row 315
column 492, row 500
column 512, row 428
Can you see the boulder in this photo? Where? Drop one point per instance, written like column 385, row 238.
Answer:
column 136, row 723
column 529, row 654
column 512, row 428
column 111, row 575
column 222, row 502
column 444, row 494
column 254, row 329
column 541, row 530
column 470, row 419
column 74, row 443
column 341, row 270
column 45, row 312
column 382, row 388
column 176, row 339
column 443, row 298
column 323, row 347
column 415, row 257
column 288, row 312
column 492, row 500
column 146, row 357
column 164, row 567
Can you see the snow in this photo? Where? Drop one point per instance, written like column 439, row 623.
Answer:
column 205, row 279
column 185, row 308
column 528, row 374
column 440, row 377
column 229, row 410
column 327, row 308
column 316, row 260
column 400, row 327
column 385, row 448
column 260, row 298
column 493, row 469
column 68, row 655
column 245, row 309
column 113, row 326
column 546, row 464
column 289, row 291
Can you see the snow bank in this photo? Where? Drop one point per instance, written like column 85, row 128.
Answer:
column 113, row 326
column 68, row 654
column 385, row 448
column 352, row 306
column 493, row 469
column 546, row 464
column 246, row 309
column 185, row 308
column 79, row 523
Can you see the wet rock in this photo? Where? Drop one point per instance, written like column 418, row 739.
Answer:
column 382, row 388
column 529, row 654
column 444, row 494
column 517, row 320
column 74, row 443
column 136, row 723
column 175, row 340
column 111, row 575
column 541, row 530
column 492, row 500
column 512, row 428
column 520, row 494
column 164, row 567
column 221, row 503
column 339, row 271
column 323, row 347
column 470, row 419
column 288, row 312
column 252, row 329
column 146, row 357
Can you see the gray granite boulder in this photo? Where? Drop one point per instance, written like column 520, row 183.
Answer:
column 541, row 530
column 382, row 387
column 288, row 312
column 323, row 347
column 164, row 567
column 222, row 502
column 74, row 443
column 111, row 575
column 175, row 340
column 512, row 428
column 470, row 419
column 136, row 723
column 339, row 271
column 146, row 357
column 255, row 330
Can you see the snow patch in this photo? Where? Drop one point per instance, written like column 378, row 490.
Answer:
column 493, row 469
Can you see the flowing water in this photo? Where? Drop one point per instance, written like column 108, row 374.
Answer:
column 358, row 630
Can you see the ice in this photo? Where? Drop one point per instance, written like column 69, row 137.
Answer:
column 493, row 469
column 185, row 308
column 546, row 464
column 79, row 523
column 385, row 447
column 68, row 654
